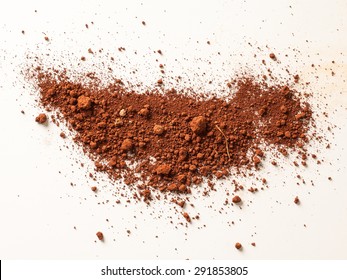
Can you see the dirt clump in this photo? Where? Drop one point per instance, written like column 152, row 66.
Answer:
column 41, row 118
column 127, row 145
column 198, row 125
column 163, row 169
column 158, row 129
column 84, row 102
column 100, row 235
column 172, row 141
column 236, row 199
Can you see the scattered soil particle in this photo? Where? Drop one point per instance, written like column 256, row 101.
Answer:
column 186, row 216
column 94, row 189
column 256, row 160
column 238, row 245
column 272, row 56
column 253, row 244
column 296, row 78
column 41, row 118
column 296, row 200
column 84, row 102
column 160, row 82
column 100, row 235
column 236, row 199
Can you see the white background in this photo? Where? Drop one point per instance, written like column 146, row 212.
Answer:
column 39, row 208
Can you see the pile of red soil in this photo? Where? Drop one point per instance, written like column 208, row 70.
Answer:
column 161, row 139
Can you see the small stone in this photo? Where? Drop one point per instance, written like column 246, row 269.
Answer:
column 163, row 169
column 158, row 129
column 144, row 112
column 122, row 113
column 198, row 125
column 127, row 145
column 84, row 102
